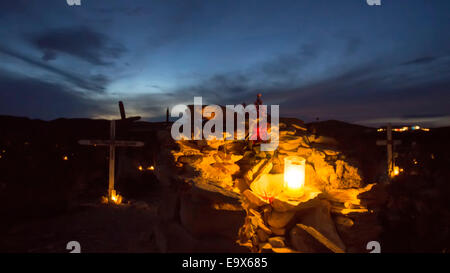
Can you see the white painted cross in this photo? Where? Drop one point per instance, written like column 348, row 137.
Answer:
column 389, row 144
column 112, row 143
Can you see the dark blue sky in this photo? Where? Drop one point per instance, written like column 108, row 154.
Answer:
column 329, row 59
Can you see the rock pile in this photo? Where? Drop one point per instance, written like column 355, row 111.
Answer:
column 223, row 192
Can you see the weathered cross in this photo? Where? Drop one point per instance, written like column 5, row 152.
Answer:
column 389, row 144
column 113, row 143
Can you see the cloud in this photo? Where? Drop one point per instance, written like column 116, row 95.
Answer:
column 81, row 42
column 23, row 96
column 288, row 66
column 96, row 84
column 17, row 6
column 421, row 60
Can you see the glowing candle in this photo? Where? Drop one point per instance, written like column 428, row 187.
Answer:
column 115, row 198
column 294, row 175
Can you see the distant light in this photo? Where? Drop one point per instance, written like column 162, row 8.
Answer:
column 415, row 161
column 150, row 168
column 140, row 168
column 65, row 158
column 396, row 171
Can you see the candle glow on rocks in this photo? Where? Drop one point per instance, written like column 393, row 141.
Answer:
column 294, row 175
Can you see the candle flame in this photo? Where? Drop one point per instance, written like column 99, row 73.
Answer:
column 294, row 175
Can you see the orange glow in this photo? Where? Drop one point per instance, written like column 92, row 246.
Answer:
column 150, row 168
column 140, row 168
column 396, row 171
column 294, row 175
column 115, row 198
column 65, row 157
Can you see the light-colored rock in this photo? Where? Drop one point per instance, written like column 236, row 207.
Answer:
column 265, row 247
column 265, row 169
column 190, row 159
column 277, row 242
column 252, row 172
column 304, row 151
column 226, row 168
column 254, row 199
column 283, row 250
column 215, row 144
column 268, row 186
column 298, row 127
column 331, row 152
column 348, row 197
column 280, row 219
column 288, row 145
column 344, row 221
column 240, row 185
column 340, row 165
column 283, row 202
column 351, row 178
column 258, row 221
column 262, row 236
column 278, row 231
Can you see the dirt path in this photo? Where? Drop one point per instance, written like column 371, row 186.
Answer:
column 97, row 227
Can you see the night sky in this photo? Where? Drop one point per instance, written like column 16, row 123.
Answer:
column 341, row 60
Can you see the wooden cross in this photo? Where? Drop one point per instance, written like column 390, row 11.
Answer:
column 389, row 144
column 112, row 143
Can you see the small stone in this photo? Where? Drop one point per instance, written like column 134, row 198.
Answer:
column 277, row 242
column 240, row 185
column 258, row 221
column 141, row 205
column 265, row 247
column 226, row 168
column 262, row 236
column 268, row 186
column 278, row 231
column 267, row 211
column 344, row 221
column 304, row 151
column 304, row 242
column 193, row 159
column 280, row 219
column 331, row 152
column 253, row 198
column 283, row 250
column 298, row 127
column 262, row 226
column 318, row 221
